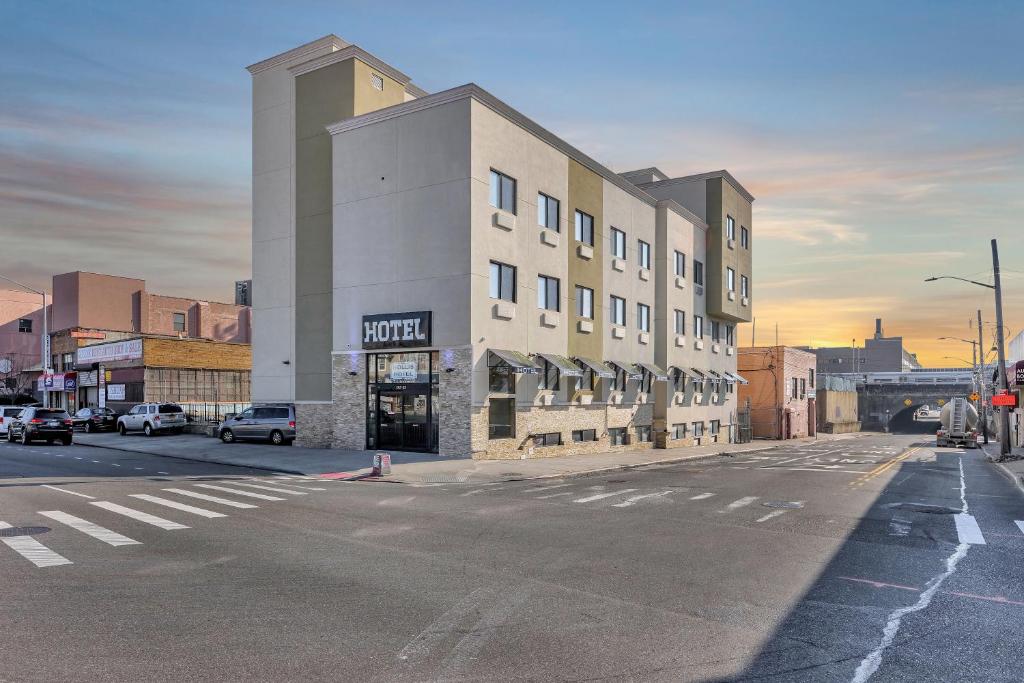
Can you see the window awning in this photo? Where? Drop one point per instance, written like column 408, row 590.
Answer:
column 565, row 366
column 599, row 368
column 518, row 362
column 632, row 372
column 738, row 378
column 714, row 375
column 696, row 374
column 654, row 371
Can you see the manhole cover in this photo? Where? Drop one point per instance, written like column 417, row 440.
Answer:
column 23, row 531
column 783, row 504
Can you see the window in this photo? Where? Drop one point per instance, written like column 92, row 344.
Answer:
column 810, row 375
column 794, row 388
column 698, row 430
column 716, row 331
column 803, row 388
column 730, row 279
column 680, row 264
column 25, row 325
column 643, row 434
column 679, row 430
column 584, row 228
column 644, row 254
column 376, row 81
column 715, row 427
column 730, row 335
column 501, row 380
column 586, row 382
column 503, row 281
column 620, row 379
column 549, row 439
column 730, row 228
column 643, row 317
column 503, row 192
column 618, row 311
column 744, row 238
column 680, row 322
column 179, row 322
column 547, row 211
column 698, row 273
column 617, row 436
column 618, row 243
column 744, row 286
column 501, row 418
column 585, row 302
column 549, row 376
column 547, row 293
column 698, row 326
column 584, row 435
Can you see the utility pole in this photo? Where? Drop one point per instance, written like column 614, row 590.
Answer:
column 1004, row 411
column 981, row 380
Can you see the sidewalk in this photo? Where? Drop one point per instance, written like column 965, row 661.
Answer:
column 1014, row 469
column 421, row 468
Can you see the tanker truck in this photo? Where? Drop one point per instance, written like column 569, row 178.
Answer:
column 959, row 424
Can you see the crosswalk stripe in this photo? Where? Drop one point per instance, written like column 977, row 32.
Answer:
column 632, row 500
column 701, row 496
column 139, row 515
column 271, row 488
column 88, row 528
column 73, row 493
column 554, row 495
column 177, row 506
column 212, row 499
column 599, row 496
column 250, row 494
column 546, row 488
column 32, row 550
column 774, row 513
column 736, row 504
column 1020, row 525
column 967, row 529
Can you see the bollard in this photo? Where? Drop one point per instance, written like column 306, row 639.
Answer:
column 381, row 464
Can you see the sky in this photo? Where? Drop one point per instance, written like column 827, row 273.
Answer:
column 884, row 141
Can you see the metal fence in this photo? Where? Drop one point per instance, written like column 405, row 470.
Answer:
column 211, row 412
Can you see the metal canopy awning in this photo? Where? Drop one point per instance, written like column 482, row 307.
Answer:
column 738, row 378
column 632, row 372
column 654, row 371
column 599, row 369
column 565, row 366
column 696, row 374
column 715, row 377
column 519, row 362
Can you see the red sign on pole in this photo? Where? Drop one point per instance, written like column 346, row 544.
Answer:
column 1009, row 400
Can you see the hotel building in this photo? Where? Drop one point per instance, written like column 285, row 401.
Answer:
column 437, row 272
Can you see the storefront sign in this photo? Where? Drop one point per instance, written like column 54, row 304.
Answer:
column 70, row 381
column 396, row 330
column 115, row 392
column 102, row 376
column 404, row 371
column 87, row 379
column 129, row 349
column 1018, row 373
column 1009, row 400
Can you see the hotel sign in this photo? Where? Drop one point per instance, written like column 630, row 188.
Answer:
column 130, row 349
column 396, row 330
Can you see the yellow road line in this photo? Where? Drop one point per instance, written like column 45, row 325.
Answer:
column 880, row 469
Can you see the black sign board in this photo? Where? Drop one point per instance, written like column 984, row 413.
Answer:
column 1018, row 373
column 396, row 330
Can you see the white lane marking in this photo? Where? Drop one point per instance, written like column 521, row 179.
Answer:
column 139, row 515
column 968, row 530
column 1020, row 525
column 869, row 665
column 546, row 488
column 899, row 527
column 470, row 493
column 114, row 464
column 138, row 468
column 248, row 494
column 736, row 504
column 88, row 528
column 96, row 461
column 599, row 496
column 32, row 550
column 59, row 455
column 271, row 488
column 73, row 493
column 701, row 496
column 77, row 458
column 163, row 472
column 774, row 513
column 632, row 500
column 177, row 506
column 444, row 626
column 213, row 499
column 555, row 495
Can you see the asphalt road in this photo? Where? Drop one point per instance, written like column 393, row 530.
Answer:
column 865, row 558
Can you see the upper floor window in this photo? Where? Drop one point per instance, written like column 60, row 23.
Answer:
column 618, row 311
column 698, row 273
column 503, row 281
column 643, row 317
column 584, row 228
column 549, row 376
column 618, row 243
column 503, row 191
column 744, row 285
column 730, row 279
column 730, row 335
column 716, row 331
column 644, row 254
column 25, row 325
column 680, row 264
column 584, row 302
column 744, row 238
column 547, row 211
column 810, row 375
column 179, row 322
column 547, row 292
column 680, row 322
column 698, row 326
column 730, row 228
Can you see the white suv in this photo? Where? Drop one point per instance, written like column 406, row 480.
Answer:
column 8, row 413
column 151, row 418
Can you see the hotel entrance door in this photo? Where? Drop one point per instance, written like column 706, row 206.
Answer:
column 402, row 422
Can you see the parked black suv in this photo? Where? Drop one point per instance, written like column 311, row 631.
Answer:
column 95, row 419
column 47, row 424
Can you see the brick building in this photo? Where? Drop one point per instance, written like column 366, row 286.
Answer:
column 21, row 329
column 779, row 392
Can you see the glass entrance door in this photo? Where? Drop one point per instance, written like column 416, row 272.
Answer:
column 402, row 420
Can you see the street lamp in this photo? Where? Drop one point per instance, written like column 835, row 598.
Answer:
column 996, row 287
column 44, row 353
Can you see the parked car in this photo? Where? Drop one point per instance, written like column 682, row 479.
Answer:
column 152, row 418
column 274, row 423
column 41, row 424
column 7, row 414
column 95, row 419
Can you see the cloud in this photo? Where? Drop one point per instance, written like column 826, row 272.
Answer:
column 806, row 227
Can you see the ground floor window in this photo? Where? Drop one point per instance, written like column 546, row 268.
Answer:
column 584, row 435
column 617, row 436
column 679, row 430
column 550, row 439
column 715, row 427
column 502, row 418
column 643, row 434
column 698, row 430
column 402, row 401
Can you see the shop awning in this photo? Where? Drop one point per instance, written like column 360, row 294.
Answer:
column 565, row 366
column 519, row 362
column 654, row 371
column 632, row 372
column 599, row 369
column 738, row 378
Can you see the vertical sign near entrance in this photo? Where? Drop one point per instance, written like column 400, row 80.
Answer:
column 101, row 383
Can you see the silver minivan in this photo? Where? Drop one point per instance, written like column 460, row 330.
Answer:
column 271, row 422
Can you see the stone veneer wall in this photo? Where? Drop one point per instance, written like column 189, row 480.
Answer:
column 455, row 395
column 314, row 425
column 348, row 392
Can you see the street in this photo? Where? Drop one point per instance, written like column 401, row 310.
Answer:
column 868, row 557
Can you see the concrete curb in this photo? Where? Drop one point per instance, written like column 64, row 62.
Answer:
column 185, row 457
column 1016, row 479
